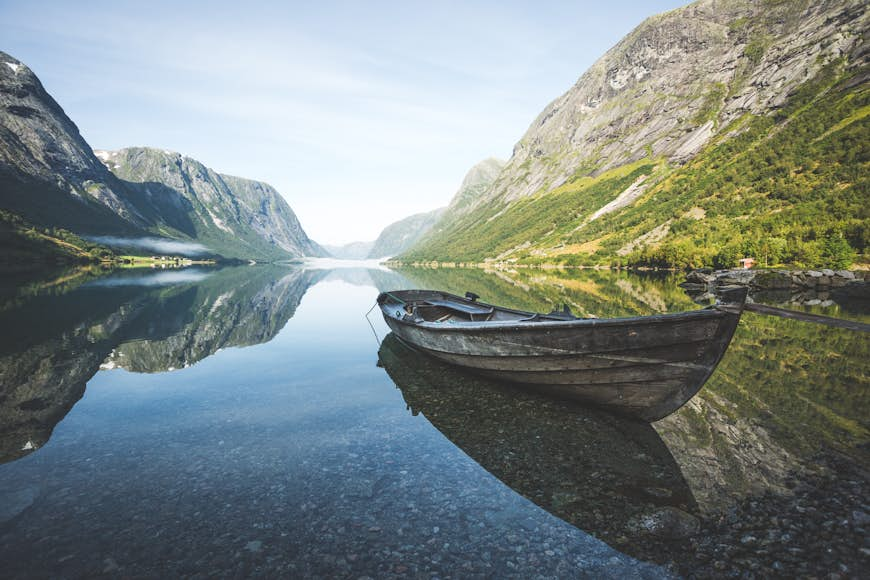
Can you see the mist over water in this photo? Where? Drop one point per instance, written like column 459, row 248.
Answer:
column 156, row 279
column 160, row 245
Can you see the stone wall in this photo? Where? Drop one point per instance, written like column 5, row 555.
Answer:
column 795, row 286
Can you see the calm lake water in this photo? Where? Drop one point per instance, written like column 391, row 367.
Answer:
column 249, row 421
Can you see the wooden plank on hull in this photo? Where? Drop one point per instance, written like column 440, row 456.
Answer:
column 685, row 353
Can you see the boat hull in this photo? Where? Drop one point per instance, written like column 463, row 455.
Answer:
column 644, row 367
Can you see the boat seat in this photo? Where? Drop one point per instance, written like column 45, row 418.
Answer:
column 470, row 309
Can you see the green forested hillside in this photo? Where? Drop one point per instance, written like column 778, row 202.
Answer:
column 786, row 188
column 27, row 247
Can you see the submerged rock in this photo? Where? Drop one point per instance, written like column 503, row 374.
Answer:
column 666, row 522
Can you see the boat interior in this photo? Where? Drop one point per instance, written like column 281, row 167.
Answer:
column 447, row 311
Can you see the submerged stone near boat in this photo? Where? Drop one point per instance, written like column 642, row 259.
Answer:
column 645, row 367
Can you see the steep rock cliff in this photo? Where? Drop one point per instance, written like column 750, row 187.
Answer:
column 50, row 176
column 233, row 216
column 701, row 121
column 678, row 79
column 48, row 173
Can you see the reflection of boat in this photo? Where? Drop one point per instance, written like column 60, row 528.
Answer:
column 645, row 366
column 593, row 469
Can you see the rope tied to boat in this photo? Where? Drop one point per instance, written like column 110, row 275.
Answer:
column 372, row 326
column 396, row 298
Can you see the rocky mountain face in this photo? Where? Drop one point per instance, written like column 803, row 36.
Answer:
column 679, row 85
column 678, row 80
column 50, row 176
column 401, row 235
column 48, row 172
column 233, row 216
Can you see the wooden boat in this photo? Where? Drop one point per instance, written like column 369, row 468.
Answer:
column 645, row 367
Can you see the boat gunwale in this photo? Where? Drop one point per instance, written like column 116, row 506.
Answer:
column 498, row 325
column 645, row 404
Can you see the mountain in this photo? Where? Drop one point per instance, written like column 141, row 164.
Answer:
column 48, row 173
column 717, row 129
column 475, row 185
column 351, row 251
column 232, row 216
column 50, row 177
column 401, row 235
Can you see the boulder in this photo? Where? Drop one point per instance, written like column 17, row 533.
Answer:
column 700, row 277
column 772, row 280
column 693, row 287
column 739, row 277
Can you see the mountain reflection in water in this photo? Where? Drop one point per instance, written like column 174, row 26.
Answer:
column 785, row 394
column 300, row 452
column 597, row 471
column 142, row 322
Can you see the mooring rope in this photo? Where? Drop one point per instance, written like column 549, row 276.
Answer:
column 372, row 326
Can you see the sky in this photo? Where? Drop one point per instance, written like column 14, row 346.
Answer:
column 358, row 113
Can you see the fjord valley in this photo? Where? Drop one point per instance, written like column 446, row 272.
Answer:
column 54, row 182
column 710, row 133
column 193, row 384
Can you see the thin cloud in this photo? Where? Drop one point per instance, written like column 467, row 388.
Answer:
column 159, row 245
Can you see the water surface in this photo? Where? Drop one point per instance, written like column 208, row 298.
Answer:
column 249, row 421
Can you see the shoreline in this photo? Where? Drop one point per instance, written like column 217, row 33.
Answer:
column 855, row 269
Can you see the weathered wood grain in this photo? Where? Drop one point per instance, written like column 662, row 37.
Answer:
column 646, row 367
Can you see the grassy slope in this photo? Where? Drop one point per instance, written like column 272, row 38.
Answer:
column 789, row 188
column 24, row 246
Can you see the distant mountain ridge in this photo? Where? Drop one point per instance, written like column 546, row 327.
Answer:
column 475, row 185
column 235, row 217
column 51, row 177
column 350, row 251
column 401, row 235
column 717, row 129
